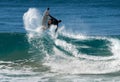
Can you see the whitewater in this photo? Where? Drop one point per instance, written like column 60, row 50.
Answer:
column 66, row 57
column 62, row 57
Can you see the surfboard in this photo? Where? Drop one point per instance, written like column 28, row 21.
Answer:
column 45, row 19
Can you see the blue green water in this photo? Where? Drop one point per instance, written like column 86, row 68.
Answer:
column 85, row 49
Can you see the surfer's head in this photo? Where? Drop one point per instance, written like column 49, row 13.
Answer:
column 48, row 8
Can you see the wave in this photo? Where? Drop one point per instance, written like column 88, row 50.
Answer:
column 77, row 62
column 69, row 52
column 80, row 53
column 37, row 53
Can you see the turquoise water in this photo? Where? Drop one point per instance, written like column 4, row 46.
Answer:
column 85, row 49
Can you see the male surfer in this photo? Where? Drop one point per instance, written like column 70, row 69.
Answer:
column 46, row 22
column 53, row 21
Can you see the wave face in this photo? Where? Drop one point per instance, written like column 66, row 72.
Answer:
column 11, row 44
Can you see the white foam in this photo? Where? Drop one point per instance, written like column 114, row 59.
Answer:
column 72, row 35
column 73, row 50
column 67, row 46
column 61, row 63
column 76, row 66
column 115, row 47
column 32, row 22
column 89, row 65
column 32, row 19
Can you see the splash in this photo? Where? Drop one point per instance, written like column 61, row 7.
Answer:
column 32, row 22
column 115, row 47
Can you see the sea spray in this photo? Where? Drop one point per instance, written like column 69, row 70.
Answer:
column 32, row 20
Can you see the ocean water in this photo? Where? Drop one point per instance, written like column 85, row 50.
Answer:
column 86, row 47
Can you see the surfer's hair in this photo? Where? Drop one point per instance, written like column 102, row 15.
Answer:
column 48, row 8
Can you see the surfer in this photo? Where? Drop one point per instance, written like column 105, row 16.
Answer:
column 53, row 21
column 49, row 20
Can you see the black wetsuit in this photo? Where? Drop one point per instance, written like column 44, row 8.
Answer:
column 54, row 21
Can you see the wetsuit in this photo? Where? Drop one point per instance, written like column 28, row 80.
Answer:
column 53, row 21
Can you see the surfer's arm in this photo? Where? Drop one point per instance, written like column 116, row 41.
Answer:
column 52, row 17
